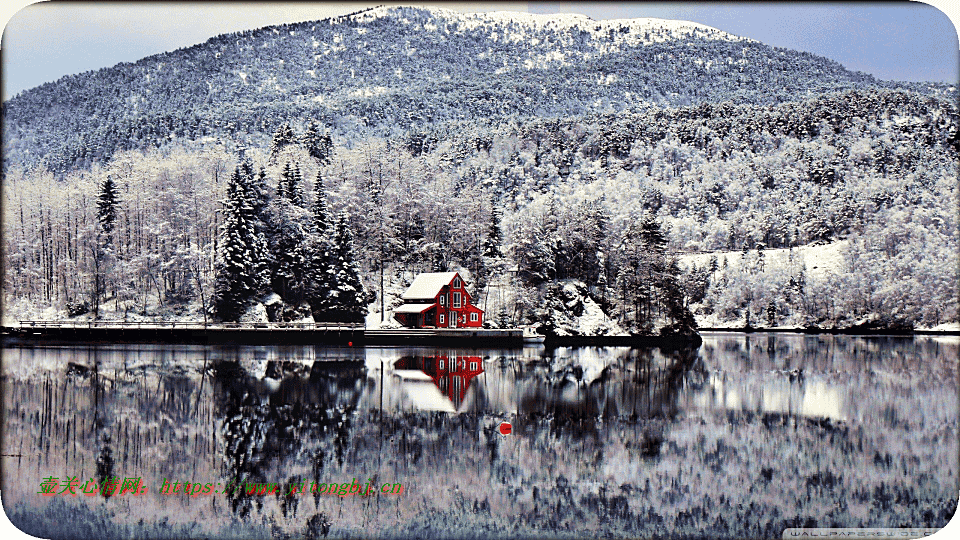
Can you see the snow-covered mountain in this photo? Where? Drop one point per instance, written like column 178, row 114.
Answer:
column 391, row 69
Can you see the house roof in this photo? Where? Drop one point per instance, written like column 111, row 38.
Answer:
column 413, row 308
column 428, row 285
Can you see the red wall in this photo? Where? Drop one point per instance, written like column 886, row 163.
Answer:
column 465, row 308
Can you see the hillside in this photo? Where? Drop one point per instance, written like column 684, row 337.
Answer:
column 388, row 70
column 505, row 156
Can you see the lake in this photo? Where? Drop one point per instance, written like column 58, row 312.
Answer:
column 743, row 437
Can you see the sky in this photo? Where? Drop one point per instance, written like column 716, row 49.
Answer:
column 45, row 41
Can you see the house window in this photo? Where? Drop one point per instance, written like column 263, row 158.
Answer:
column 473, row 316
column 442, row 318
column 443, row 299
column 456, row 283
column 456, row 299
column 441, row 364
column 473, row 366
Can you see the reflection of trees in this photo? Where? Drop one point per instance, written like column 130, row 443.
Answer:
column 105, row 462
column 293, row 413
column 637, row 385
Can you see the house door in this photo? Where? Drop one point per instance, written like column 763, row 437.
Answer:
column 454, row 317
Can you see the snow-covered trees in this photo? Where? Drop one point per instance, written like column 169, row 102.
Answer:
column 241, row 269
column 572, row 200
column 290, row 185
column 282, row 137
column 347, row 296
column 105, row 257
column 318, row 145
column 494, row 237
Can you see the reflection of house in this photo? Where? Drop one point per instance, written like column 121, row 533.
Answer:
column 438, row 300
column 421, row 392
column 452, row 375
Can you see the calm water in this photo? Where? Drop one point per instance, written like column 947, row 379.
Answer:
column 744, row 436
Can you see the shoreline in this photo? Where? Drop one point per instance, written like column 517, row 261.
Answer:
column 55, row 333
column 852, row 331
column 339, row 335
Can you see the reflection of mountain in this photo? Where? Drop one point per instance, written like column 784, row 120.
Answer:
column 451, row 374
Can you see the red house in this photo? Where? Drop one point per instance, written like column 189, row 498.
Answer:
column 438, row 300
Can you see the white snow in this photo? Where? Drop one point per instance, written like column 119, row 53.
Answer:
column 821, row 260
column 256, row 313
column 593, row 321
column 428, row 285
column 368, row 91
column 510, row 26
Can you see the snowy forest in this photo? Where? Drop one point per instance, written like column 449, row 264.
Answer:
column 284, row 195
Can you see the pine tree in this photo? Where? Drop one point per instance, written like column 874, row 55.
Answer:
column 318, row 145
column 282, row 184
column 240, row 264
column 283, row 137
column 290, row 276
column 320, row 220
column 258, row 189
column 347, row 295
column 107, row 201
column 491, row 244
column 295, row 187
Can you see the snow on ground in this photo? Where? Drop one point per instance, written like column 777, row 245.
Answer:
column 821, row 260
column 943, row 327
column 593, row 321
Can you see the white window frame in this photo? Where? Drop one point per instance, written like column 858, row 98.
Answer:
column 443, row 299
column 456, row 282
column 456, row 300
column 442, row 318
column 473, row 366
column 441, row 364
column 474, row 316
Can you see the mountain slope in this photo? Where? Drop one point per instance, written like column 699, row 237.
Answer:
column 390, row 69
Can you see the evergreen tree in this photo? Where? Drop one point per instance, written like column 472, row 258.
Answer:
column 491, row 244
column 240, row 266
column 320, row 280
column 320, row 219
column 318, row 145
column 295, row 187
column 348, row 298
column 283, row 137
column 321, row 276
column 107, row 201
column 282, row 182
column 290, row 276
column 258, row 189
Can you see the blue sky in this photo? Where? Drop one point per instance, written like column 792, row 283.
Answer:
column 43, row 42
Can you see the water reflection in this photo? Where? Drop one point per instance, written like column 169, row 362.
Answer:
column 594, row 428
column 451, row 375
